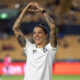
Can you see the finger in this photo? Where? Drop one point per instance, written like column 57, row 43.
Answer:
column 35, row 3
column 37, row 10
column 33, row 10
column 30, row 4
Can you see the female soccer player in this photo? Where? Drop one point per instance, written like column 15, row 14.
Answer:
column 40, row 56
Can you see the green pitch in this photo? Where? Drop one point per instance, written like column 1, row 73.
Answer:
column 55, row 77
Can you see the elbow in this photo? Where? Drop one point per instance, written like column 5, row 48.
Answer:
column 13, row 29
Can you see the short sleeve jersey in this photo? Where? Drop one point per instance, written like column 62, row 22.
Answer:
column 39, row 62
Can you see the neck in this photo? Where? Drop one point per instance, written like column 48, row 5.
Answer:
column 42, row 44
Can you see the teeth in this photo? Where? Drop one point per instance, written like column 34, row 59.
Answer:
column 37, row 38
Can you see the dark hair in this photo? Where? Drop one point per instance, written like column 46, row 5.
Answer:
column 43, row 27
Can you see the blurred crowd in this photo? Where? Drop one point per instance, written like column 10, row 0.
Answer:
column 64, row 11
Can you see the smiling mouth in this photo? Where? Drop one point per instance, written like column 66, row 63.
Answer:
column 37, row 38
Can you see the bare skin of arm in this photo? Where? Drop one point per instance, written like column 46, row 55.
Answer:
column 53, row 38
column 16, row 27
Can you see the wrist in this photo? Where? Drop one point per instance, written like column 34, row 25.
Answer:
column 43, row 11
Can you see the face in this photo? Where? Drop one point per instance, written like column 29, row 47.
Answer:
column 39, row 36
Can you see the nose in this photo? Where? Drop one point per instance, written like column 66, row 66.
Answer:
column 36, row 34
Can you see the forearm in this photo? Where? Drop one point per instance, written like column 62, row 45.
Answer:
column 49, row 20
column 16, row 25
column 16, row 28
column 53, row 37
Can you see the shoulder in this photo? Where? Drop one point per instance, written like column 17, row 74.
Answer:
column 49, row 47
column 29, row 47
column 29, row 44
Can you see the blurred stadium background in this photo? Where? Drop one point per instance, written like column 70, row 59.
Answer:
column 66, row 14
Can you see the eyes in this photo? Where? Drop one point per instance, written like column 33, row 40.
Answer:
column 37, row 32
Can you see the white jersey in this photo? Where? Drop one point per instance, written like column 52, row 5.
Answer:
column 39, row 62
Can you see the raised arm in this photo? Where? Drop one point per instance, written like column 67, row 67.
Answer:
column 16, row 27
column 53, row 38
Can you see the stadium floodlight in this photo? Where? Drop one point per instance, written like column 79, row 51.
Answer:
column 3, row 16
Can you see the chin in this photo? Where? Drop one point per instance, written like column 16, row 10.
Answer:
column 38, row 43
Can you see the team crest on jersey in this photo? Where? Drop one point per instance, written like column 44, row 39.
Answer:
column 45, row 49
column 34, row 51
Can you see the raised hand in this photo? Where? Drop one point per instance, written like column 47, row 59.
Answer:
column 34, row 7
column 38, row 6
column 27, row 7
